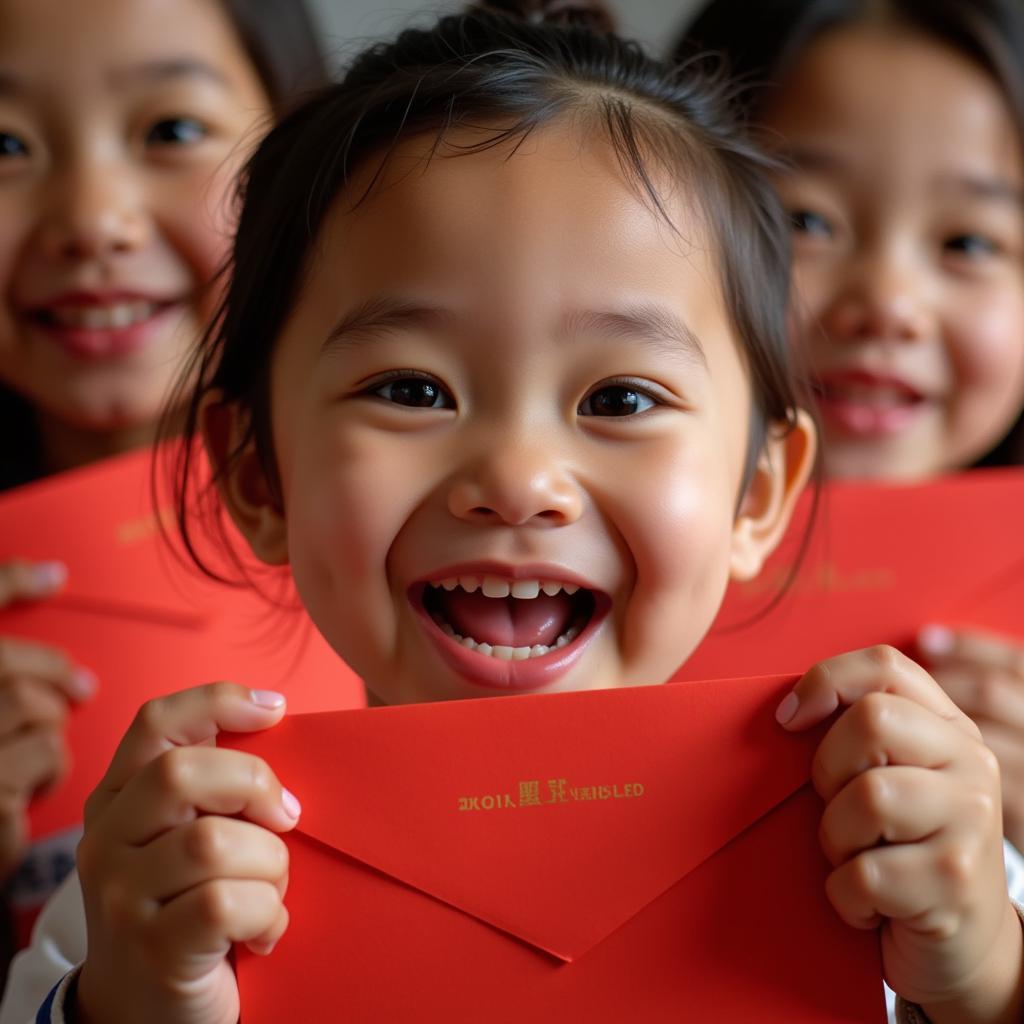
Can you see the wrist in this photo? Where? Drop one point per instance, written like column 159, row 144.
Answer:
column 996, row 993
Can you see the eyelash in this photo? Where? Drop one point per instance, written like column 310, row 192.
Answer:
column 799, row 219
column 636, row 388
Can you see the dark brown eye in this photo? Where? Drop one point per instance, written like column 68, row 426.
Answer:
column 11, row 145
column 615, row 400
column 806, row 222
column 176, row 131
column 416, row 393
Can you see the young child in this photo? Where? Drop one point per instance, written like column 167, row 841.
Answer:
column 902, row 130
column 122, row 123
column 511, row 395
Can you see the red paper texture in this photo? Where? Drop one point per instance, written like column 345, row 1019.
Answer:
column 697, row 896
column 883, row 561
column 145, row 622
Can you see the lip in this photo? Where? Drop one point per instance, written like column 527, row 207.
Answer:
column 491, row 674
column 93, row 344
column 859, row 417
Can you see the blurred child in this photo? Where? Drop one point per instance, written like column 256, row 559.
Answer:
column 901, row 125
column 513, row 399
column 122, row 124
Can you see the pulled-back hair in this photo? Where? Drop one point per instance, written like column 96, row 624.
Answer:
column 504, row 77
column 759, row 43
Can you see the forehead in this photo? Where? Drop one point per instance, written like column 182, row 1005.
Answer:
column 555, row 218
column 104, row 42
column 882, row 95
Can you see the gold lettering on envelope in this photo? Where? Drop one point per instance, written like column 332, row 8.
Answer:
column 825, row 577
column 135, row 530
column 557, row 791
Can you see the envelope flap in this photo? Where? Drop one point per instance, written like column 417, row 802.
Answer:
column 532, row 813
column 882, row 561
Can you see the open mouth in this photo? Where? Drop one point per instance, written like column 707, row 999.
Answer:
column 863, row 403
column 101, row 329
column 514, row 633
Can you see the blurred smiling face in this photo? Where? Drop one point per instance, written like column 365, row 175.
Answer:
column 906, row 193
column 510, row 418
column 120, row 129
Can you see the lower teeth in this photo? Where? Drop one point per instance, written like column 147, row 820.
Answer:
column 503, row 653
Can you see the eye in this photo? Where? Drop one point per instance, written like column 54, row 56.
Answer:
column 414, row 393
column 11, row 146
column 807, row 222
column 971, row 246
column 176, row 131
column 616, row 400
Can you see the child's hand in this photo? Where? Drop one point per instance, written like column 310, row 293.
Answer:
column 912, row 826
column 179, row 861
column 36, row 684
column 985, row 676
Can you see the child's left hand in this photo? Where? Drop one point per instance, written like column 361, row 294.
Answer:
column 913, row 828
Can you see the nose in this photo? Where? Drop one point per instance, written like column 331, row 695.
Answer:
column 883, row 296
column 94, row 211
column 515, row 484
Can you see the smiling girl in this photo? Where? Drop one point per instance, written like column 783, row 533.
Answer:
column 901, row 128
column 122, row 124
column 513, row 400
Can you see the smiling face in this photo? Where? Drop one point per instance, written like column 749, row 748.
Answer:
column 120, row 129
column 906, row 193
column 510, row 418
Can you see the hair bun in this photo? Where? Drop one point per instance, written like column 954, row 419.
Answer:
column 593, row 15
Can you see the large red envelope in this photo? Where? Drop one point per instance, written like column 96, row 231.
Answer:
column 144, row 620
column 647, row 854
column 883, row 561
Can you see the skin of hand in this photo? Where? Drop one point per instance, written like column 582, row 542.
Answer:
column 984, row 675
column 36, row 685
column 179, row 860
column 913, row 829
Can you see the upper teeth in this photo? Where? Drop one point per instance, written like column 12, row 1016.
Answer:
column 495, row 586
column 103, row 318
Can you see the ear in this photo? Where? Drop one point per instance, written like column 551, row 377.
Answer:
column 242, row 482
column 783, row 469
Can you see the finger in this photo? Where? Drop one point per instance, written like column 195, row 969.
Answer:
column 190, row 717
column 33, row 759
column 26, row 702
column 183, row 781
column 886, row 729
column 845, row 679
column 941, row 645
column 13, row 830
column 207, row 919
column 887, row 805
column 25, row 581
column 209, row 848
column 984, row 692
column 20, row 658
column 920, row 884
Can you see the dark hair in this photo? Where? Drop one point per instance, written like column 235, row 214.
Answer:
column 473, row 69
column 758, row 43
column 280, row 40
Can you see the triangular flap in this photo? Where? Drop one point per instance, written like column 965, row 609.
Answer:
column 554, row 818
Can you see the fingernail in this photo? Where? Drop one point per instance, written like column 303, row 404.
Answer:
column 49, row 576
column 83, row 682
column 787, row 708
column 267, row 698
column 291, row 804
column 935, row 640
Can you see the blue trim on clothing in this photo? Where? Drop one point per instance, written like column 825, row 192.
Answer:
column 45, row 1014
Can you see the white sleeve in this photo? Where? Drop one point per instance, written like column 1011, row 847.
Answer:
column 1014, row 873
column 58, row 946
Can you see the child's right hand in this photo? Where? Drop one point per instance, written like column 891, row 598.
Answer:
column 179, row 861
column 36, row 684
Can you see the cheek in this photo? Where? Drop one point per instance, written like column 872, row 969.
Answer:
column 679, row 540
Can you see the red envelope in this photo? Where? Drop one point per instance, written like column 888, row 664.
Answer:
column 883, row 561
column 144, row 620
column 647, row 854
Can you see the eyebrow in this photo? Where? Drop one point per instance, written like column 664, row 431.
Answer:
column 153, row 71
column 647, row 323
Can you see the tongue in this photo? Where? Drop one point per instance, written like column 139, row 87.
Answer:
column 507, row 621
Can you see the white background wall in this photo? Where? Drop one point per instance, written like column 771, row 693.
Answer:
column 349, row 24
